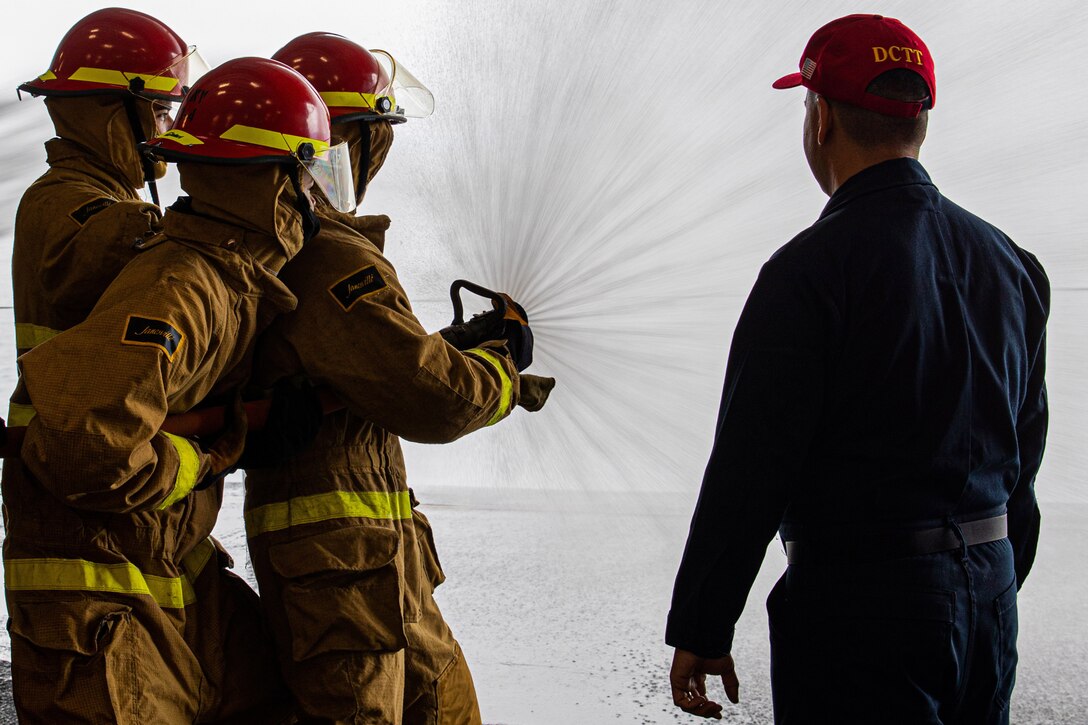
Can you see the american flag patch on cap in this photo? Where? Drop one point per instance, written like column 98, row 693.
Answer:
column 808, row 68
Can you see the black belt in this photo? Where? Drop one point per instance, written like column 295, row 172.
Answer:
column 885, row 545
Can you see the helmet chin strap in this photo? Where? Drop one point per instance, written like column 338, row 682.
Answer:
column 364, row 162
column 135, row 85
column 311, row 225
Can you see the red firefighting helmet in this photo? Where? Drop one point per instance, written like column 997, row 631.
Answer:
column 356, row 83
column 254, row 110
column 117, row 51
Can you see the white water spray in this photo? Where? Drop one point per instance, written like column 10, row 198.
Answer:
column 623, row 169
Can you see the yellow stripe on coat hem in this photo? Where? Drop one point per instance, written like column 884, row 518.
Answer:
column 88, row 576
column 389, row 506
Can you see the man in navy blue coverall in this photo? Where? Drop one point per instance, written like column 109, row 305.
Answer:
column 885, row 411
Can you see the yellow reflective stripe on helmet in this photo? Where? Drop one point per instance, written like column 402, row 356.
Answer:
column 271, row 139
column 87, row 576
column 188, row 468
column 348, row 99
column 507, row 385
column 120, row 78
column 48, row 76
column 384, row 505
column 20, row 413
column 28, row 336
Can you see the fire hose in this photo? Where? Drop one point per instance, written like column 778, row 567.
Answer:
column 192, row 423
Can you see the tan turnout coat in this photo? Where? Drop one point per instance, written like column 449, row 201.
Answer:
column 345, row 564
column 121, row 607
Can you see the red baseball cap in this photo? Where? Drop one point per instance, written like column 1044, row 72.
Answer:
column 843, row 57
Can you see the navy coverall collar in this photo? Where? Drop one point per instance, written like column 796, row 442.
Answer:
column 885, row 175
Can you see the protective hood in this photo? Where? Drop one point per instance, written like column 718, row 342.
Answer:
column 100, row 125
column 369, row 144
column 256, row 197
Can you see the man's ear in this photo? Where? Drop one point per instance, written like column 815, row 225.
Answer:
column 823, row 120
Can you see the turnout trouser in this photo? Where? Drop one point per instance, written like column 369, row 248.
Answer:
column 359, row 636
column 186, row 649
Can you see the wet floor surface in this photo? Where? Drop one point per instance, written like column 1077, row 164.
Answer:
column 559, row 600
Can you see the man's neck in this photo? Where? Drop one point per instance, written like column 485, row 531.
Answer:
column 854, row 160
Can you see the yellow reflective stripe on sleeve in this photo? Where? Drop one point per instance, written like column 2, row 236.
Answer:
column 271, row 139
column 28, row 336
column 388, row 506
column 87, row 576
column 507, row 385
column 120, row 78
column 20, row 414
column 348, row 99
column 188, row 468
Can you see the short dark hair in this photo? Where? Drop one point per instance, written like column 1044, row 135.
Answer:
column 871, row 129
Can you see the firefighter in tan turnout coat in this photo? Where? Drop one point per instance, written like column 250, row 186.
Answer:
column 345, row 564
column 83, row 220
column 121, row 608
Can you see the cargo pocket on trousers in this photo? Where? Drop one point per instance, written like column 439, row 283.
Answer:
column 56, row 643
column 341, row 591
column 1007, row 630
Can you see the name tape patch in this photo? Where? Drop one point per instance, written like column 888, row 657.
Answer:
column 356, row 286
column 88, row 210
column 153, row 333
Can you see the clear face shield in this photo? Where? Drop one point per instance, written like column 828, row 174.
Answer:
column 410, row 97
column 331, row 171
column 194, row 67
column 173, row 81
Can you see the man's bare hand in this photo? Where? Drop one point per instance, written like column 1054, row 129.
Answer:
column 688, row 681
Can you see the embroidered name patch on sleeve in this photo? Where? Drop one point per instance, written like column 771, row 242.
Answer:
column 88, row 210
column 356, row 286
column 153, row 333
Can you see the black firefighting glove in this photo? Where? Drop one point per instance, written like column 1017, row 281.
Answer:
column 480, row 329
column 511, row 325
column 294, row 419
column 534, row 391
column 224, row 450
column 518, row 336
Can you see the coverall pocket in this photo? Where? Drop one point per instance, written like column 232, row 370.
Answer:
column 342, row 591
column 90, row 661
column 1007, row 630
